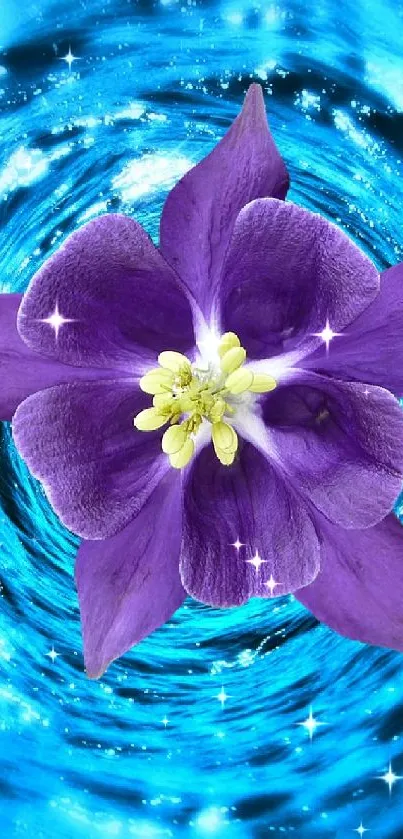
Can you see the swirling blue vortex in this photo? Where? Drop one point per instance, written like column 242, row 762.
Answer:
column 196, row 732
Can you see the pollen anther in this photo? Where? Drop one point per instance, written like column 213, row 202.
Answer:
column 186, row 396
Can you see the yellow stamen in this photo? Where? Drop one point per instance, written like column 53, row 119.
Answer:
column 182, row 457
column 233, row 359
column 226, row 458
column 173, row 361
column 262, row 383
column 239, row 381
column 164, row 400
column 225, row 439
column 228, row 341
column 157, row 381
column 149, row 420
column 174, row 438
column 185, row 397
column 217, row 410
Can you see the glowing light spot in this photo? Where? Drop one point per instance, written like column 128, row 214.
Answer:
column 235, row 17
column 327, row 335
column 147, row 174
column 210, row 821
column 56, row 321
column 271, row 584
column 222, row 696
column 390, row 778
column 310, row 724
column 256, row 561
column 53, row 655
column 69, row 58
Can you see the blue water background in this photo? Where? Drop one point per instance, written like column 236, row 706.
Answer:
column 150, row 751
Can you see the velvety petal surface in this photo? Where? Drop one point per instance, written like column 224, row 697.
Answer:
column 359, row 589
column 123, row 302
column 23, row 371
column 129, row 585
column 200, row 212
column 288, row 272
column 79, row 440
column 371, row 348
column 341, row 444
column 248, row 501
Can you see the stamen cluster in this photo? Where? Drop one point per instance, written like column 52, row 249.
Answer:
column 185, row 396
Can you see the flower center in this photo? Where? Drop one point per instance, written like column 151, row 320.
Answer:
column 187, row 396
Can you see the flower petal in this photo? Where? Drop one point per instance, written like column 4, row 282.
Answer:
column 287, row 273
column 23, row 371
column 129, row 585
column 248, row 501
column 200, row 212
column 96, row 468
column 341, row 444
column 371, row 348
column 123, row 302
column 359, row 589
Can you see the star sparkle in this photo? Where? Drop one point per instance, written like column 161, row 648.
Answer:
column 271, row 584
column 310, row 724
column 390, row 778
column 69, row 58
column 165, row 721
column 222, row 696
column 237, row 545
column 52, row 654
column 361, row 829
column 56, row 320
column 327, row 334
column 256, row 561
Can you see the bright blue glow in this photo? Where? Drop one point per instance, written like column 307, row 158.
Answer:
column 151, row 751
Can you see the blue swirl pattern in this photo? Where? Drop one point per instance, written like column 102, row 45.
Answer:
column 250, row 722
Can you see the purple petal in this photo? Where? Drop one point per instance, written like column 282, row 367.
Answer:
column 287, row 272
column 341, row 445
column 200, row 212
column 248, row 501
column 371, row 348
column 96, row 468
column 123, row 301
column 359, row 589
column 23, row 371
column 129, row 585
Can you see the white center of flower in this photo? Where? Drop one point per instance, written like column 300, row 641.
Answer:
column 188, row 396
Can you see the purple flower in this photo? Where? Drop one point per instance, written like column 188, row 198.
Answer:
column 217, row 416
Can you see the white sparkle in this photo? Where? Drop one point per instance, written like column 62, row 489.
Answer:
column 56, row 320
column 69, row 58
column 361, row 829
column 165, row 721
column 311, row 724
column 390, row 778
column 222, row 696
column 271, row 584
column 52, row 654
column 327, row 334
column 237, row 545
column 256, row 561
